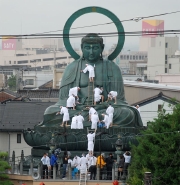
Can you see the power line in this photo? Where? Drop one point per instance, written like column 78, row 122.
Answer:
column 80, row 35
column 102, row 24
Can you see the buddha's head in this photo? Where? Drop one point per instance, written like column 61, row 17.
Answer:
column 92, row 47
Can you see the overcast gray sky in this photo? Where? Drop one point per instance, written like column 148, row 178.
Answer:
column 36, row 16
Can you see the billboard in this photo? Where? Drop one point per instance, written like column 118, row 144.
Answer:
column 152, row 28
column 8, row 43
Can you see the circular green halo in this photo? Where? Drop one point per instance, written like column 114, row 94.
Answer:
column 93, row 9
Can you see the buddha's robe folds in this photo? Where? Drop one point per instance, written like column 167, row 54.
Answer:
column 108, row 75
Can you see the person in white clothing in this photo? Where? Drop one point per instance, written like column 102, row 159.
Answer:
column 127, row 158
column 110, row 111
column 93, row 168
column 106, row 120
column 76, row 162
column 76, row 165
column 94, row 120
column 112, row 95
column 65, row 113
column 74, row 122
column 89, row 68
column 91, row 111
column 46, row 162
column 83, row 164
column 138, row 108
column 71, row 102
column 88, row 156
column 74, row 91
column 91, row 137
column 80, row 120
column 97, row 94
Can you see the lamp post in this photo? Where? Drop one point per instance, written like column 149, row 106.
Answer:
column 52, row 143
column 119, row 146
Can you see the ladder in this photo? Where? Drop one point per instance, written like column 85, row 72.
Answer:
column 90, row 99
column 83, row 178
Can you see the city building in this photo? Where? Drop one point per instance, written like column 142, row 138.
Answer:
column 15, row 116
column 130, row 62
column 159, row 48
column 34, row 52
column 150, row 107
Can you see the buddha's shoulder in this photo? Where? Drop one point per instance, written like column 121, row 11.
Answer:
column 110, row 62
column 73, row 64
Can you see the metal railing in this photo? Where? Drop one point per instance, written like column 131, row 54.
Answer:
column 19, row 166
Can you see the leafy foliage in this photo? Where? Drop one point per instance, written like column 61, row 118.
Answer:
column 3, row 167
column 158, row 151
column 12, row 82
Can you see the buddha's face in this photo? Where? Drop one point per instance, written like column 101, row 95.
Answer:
column 91, row 52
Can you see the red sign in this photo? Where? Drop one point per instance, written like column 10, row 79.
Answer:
column 8, row 43
column 152, row 28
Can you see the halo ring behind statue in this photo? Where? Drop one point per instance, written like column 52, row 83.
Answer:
column 94, row 9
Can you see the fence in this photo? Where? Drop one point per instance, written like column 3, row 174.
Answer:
column 26, row 165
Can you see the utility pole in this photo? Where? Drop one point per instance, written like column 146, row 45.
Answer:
column 54, row 67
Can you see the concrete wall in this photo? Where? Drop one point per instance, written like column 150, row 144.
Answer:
column 169, row 79
column 135, row 94
column 8, row 57
column 156, row 55
column 175, row 65
column 11, row 146
column 150, row 111
column 4, row 142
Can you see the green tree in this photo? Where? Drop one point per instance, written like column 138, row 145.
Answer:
column 4, row 179
column 158, row 151
column 12, row 82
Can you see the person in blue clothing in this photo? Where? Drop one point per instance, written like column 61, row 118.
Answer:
column 53, row 162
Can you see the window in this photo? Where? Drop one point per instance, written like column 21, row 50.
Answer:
column 165, row 70
column 14, row 62
column 169, row 66
column 9, row 62
column 59, row 58
column 124, row 57
column 121, row 57
column 22, row 62
column 139, row 57
column 166, row 57
column 165, row 61
column 130, row 57
column 18, row 138
column 166, row 45
column 48, row 59
column 159, row 107
column 142, row 57
column 133, row 57
column 136, row 57
column 127, row 57
column 29, row 81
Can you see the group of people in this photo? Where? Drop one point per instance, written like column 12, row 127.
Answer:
column 86, row 163
column 124, row 162
column 77, row 120
column 89, row 163
column 48, row 164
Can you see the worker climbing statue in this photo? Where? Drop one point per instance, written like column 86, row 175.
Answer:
column 106, row 74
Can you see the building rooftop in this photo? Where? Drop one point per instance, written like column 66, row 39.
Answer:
column 16, row 116
column 151, row 85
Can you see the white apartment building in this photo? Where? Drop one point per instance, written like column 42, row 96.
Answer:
column 159, row 51
column 130, row 61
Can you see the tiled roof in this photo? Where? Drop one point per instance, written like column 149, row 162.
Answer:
column 21, row 115
column 154, row 98
column 40, row 93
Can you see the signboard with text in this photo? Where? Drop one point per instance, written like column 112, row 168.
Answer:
column 152, row 28
column 8, row 43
